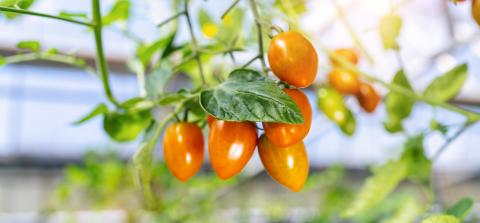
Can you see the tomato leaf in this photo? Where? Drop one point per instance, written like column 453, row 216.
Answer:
column 156, row 81
column 377, row 187
column 100, row 109
column 390, row 26
column 420, row 167
column 29, row 45
column 21, row 4
column 248, row 95
column 437, row 126
column 73, row 15
column 119, row 12
column 462, row 208
column 448, row 85
column 7, row 3
column 164, row 46
column 125, row 126
column 407, row 212
column 441, row 219
column 398, row 106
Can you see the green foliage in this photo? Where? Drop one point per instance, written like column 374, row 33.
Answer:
column 162, row 47
column 118, row 13
column 3, row 61
column 420, row 167
column 407, row 212
column 7, row 3
column 462, row 208
column 447, row 86
column 248, row 95
column 73, row 15
column 156, row 81
column 441, row 219
column 31, row 45
column 21, row 4
column 100, row 109
column 398, row 105
column 390, row 27
column 437, row 126
column 125, row 126
column 377, row 187
column 291, row 8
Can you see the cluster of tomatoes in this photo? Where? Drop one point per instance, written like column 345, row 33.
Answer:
column 293, row 60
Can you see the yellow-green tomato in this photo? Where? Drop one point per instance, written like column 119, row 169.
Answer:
column 332, row 105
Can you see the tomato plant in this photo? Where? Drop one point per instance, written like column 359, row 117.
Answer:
column 229, row 97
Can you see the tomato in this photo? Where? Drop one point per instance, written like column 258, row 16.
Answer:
column 344, row 81
column 476, row 11
column 368, row 97
column 347, row 53
column 282, row 134
column 293, row 59
column 210, row 120
column 230, row 146
column 331, row 103
column 288, row 166
column 183, row 149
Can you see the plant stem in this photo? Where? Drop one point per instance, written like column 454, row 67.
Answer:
column 171, row 18
column 449, row 140
column 256, row 15
column 59, row 58
column 195, row 49
column 251, row 61
column 351, row 31
column 471, row 116
column 230, row 8
column 101, row 63
column 27, row 12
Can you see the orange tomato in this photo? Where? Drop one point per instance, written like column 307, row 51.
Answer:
column 476, row 11
column 183, row 149
column 230, row 146
column 293, row 59
column 368, row 97
column 347, row 53
column 288, row 166
column 281, row 134
column 344, row 81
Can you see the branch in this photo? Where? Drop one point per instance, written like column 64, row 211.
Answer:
column 171, row 18
column 101, row 63
column 27, row 12
column 256, row 15
column 449, row 140
column 471, row 116
column 230, row 8
column 195, row 49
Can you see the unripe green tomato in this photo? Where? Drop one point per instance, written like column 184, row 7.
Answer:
column 331, row 103
column 348, row 127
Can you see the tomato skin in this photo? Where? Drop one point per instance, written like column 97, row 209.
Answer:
column 368, row 97
column 230, row 146
column 331, row 103
column 476, row 11
column 288, row 166
column 344, row 81
column 183, row 149
column 293, row 59
column 346, row 53
column 281, row 134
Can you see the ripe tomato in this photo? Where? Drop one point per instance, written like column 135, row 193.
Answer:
column 183, row 149
column 368, row 97
column 210, row 120
column 293, row 59
column 282, row 134
column 476, row 11
column 230, row 146
column 346, row 53
column 288, row 166
column 344, row 81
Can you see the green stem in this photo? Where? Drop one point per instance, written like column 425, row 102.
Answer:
column 195, row 49
column 101, row 63
column 256, row 15
column 230, row 8
column 65, row 59
column 171, row 18
column 27, row 12
column 471, row 116
column 449, row 140
column 351, row 31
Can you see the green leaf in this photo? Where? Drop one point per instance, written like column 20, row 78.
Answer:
column 29, row 45
column 447, row 86
column 441, row 219
column 164, row 46
column 420, row 167
column 248, row 95
column 3, row 61
column 100, row 109
column 7, row 3
column 407, row 212
column 390, row 26
column 398, row 105
column 437, row 126
column 462, row 208
column 21, row 4
column 73, row 15
column 119, row 12
column 123, row 127
column 384, row 180
column 156, row 81
column 137, row 104
column 169, row 99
